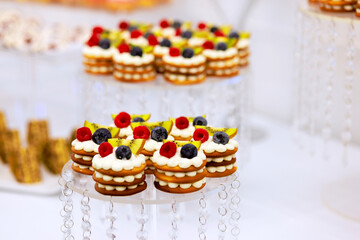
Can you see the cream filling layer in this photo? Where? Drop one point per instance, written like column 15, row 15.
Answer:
column 99, row 69
column 178, row 161
column 185, row 70
column 184, row 133
column 118, row 188
column 226, row 71
column 151, row 144
column 220, row 169
column 226, row 63
column 243, row 43
column 97, row 51
column 129, row 178
column 160, row 50
column 126, row 58
column 209, row 146
column 197, row 184
column 184, row 78
column 219, row 54
column 96, row 61
column 221, row 159
column 111, row 162
column 83, row 157
column 133, row 69
column 87, row 146
column 181, row 61
column 83, row 166
column 134, row 76
column 181, row 174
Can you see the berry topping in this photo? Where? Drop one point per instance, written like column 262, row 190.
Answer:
column 97, row 30
column 221, row 46
column 141, row 132
column 123, row 152
column 148, row 34
column 153, row 40
column 164, row 23
column 124, row 48
column 104, row 43
column 176, row 24
column 213, row 29
column 188, row 53
column 158, row 134
column 174, row 52
column 136, row 33
column 93, row 40
column 168, row 149
column 122, row 120
column 136, row 51
column 83, row 134
column 138, row 119
column 178, row 32
column 201, row 135
column 200, row 121
column 101, row 135
column 208, row 45
column 186, row 34
column 219, row 33
column 123, row 25
column 234, row 35
column 165, row 43
column 188, row 151
column 221, row 138
column 105, row 149
column 182, row 122
column 201, row 26
column 132, row 28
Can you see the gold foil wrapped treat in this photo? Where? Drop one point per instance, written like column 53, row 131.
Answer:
column 3, row 128
column 27, row 168
column 38, row 136
column 12, row 146
column 57, row 154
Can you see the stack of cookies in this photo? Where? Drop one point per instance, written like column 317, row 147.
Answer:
column 119, row 168
column 337, row 6
column 159, row 52
column 243, row 47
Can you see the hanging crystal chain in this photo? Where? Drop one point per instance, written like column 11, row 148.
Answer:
column 202, row 217
column 234, row 206
column 222, row 210
column 85, row 209
column 111, row 217
column 173, row 217
column 66, row 212
column 142, row 219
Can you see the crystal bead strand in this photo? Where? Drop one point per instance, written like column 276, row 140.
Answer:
column 111, row 217
column 142, row 219
column 234, row 206
column 327, row 126
column 66, row 212
column 348, row 90
column 174, row 226
column 222, row 210
column 202, row 217
column 85, row 209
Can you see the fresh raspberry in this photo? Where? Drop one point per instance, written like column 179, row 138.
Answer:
column 219, row 33
column 123, row 25
column 201, row 134
column 83, row 134
column 136, row 33
column 208, row 45
column 141, row 132
column 105, row 149
column 182, row 122
column 153, row 40
column 178, row 32
column 174, row 52
column 164, row 23
column 168, row 149
column 201, row 25
column 97, row 30
column 124, row 48
column 93, row 40
column 122, row 120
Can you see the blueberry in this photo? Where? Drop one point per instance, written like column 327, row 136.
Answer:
column 188, row 151
column 101, row 135
column 188, row 53
column 136, row 51
column 213, row 29
column 138, row 119
column 123, row 152
column 221, row 46
column 132, row 28
column 147, row 34
column 221, row 138
column 159, row 133
column 186, row 34
column 234, row 35
column 200, row 121
column 176, row 24
column 165, row 43
column 104, row 43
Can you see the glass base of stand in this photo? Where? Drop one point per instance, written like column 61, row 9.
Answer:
column 150, row 196
column 343, row 197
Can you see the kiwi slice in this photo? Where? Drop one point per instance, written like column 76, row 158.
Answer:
column 182, row 143
column 211, row 130
column 94, row 126
column 191, row 119
column 151, row 125
column 146, row 117
column 135, row 145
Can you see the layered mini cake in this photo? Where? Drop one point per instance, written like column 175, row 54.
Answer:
column 184, row 67
column 338, row 5
column 221, row 60
column 180, row 167
column 220, row 149
column 119, row 168
column 183, row 130
column 123, row 121
column 357, row 11
column 243, row 47
column 132, row 65
column 159, row 52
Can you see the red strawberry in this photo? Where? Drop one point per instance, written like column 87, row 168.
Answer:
column 136, row 33
column 97, row 30
column 123, row 25
column 178, row 32
column 124, row 48
column 168, row 149
column 164, row 23
column 153, row 40
column 201, row 25
column 219, row 33
column 93, row 40
column 174, row 52
column 105, row 149
column 208, row 45
column 141, row 132
column 122, row 120
column 201, row 134
column 182, row 122
column 83, row 134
